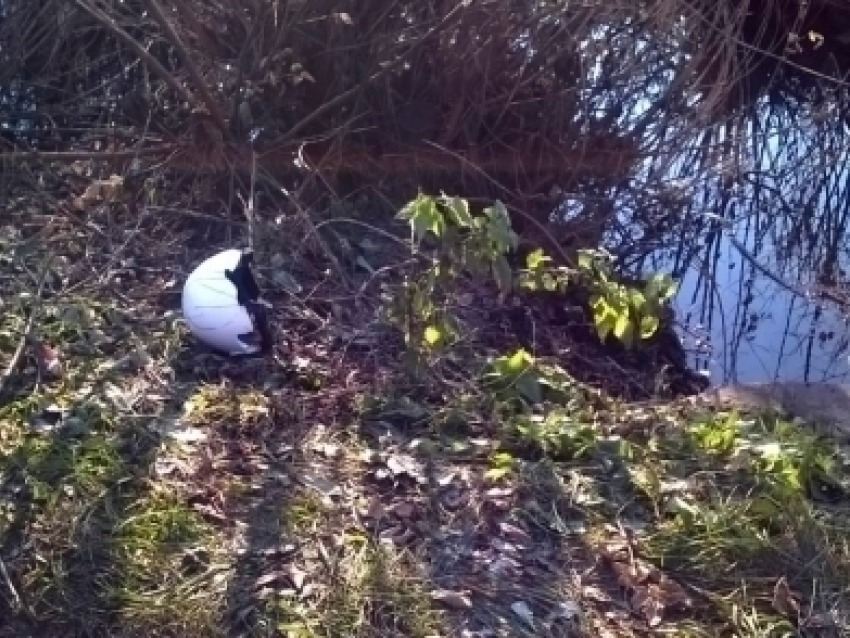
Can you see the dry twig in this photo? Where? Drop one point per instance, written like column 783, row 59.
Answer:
column 194, row 73
column 17, row 357
column 138, row 49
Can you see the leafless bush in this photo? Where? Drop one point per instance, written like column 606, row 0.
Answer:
column 522, row 100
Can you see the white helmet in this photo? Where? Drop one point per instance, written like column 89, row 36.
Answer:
column 222, row 305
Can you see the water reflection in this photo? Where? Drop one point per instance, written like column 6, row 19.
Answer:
column 742, row 327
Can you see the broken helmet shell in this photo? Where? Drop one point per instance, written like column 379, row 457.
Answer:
column 222, row 306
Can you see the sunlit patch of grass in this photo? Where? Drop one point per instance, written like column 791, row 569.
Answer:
column 727, row 504
column 131, row 562
column 304, row 512
column 104, row 548
column 14, row 417
column 169, row 577
column 373, row 591
column 754, row 520
column 84, row 465
column 214, row 403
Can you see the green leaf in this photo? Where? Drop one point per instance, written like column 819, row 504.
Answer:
column 600, row 306
column 432, row 335
column 458, row 210
column 648, row 326
column 661, row 287
column 628, row 336
column 424, row 216
column 621, row 325
column 496, row 473
column 636, row 299
column 645, row 478
column 536, row 258
column 585, row 260
column 502, row 459
column 437, row 223
column 408, row 211
column 529, row 387
column 498, row 228
column 519, row 361
column 605, row 324
column 503, row 274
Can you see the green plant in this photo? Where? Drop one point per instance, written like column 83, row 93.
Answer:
column 784, row 458
column 618, row 309
column 465, row 243
column 539, row 275
column 621, row 310
column 559, row 434
column 515, row 375
column 519, row 375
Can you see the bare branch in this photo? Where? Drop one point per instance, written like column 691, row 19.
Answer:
column 194, row 73
column 342, row 97
column 27, row 332
column 138, row 49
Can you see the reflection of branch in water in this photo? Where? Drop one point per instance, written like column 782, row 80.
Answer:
column 834, row 297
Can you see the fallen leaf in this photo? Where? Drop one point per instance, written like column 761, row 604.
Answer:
column 209, row 512
column 446, row 478
column 49, row 419
column 784, row 600
column 268, row 579
column 503, row 566
column 186, row 434
column 285, row 280
column 514, row 533
column 343, row 18
column 596, row 594
column 47, row 359
column 452, row 599
column 167, row 466
column 281, row 551
column 375, row 509
column 396, row 534
column 297, row 576
column 454, row 499
column 329, row 450
column 401, row 464
column 403, row 509
column 820, row 622
column 368, row 456
column 675, row 596
column 319, row 483
column 649, row 605
column 568, row 610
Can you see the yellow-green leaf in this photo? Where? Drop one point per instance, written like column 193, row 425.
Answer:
column 648, row 326
column 604, row 327
column 519, row 360
column 502, row 458
column 536, row 258
column 458, row 210
column 432, row 335
column 621, row 325
column 496, row 473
